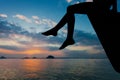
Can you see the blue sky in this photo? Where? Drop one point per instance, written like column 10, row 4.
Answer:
column 22, row 21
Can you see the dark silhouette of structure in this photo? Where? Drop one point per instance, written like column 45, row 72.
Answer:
column 104, row 17
column 106, row 27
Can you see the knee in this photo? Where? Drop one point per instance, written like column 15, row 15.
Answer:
column 70, row 9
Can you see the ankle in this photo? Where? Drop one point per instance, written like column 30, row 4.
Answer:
column 69, row 39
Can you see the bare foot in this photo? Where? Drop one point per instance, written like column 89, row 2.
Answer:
column 50, row 32
column 67, row 43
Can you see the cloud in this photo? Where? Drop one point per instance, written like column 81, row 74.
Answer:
column 78, row 1
column 9, row 42
column 48, row 22
column 22, row 17
column 84, row 54
column 20, row 37
column 3, row 16
column 86, row 38
column 10, row 47
column 14, row 39
column 89, row 49
column 89, row 0
column 69, row 1
column 7, row 28
column 38, row 24
column 85, row 42
column 35, row 17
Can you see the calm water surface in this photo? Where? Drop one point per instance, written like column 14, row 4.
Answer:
column 57, row 69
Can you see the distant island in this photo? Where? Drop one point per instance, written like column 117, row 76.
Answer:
column 2, row 57
column 29, row 58
column 50, row 57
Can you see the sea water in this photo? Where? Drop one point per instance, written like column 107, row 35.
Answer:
column 57, row 69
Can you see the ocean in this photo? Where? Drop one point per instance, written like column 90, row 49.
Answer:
column 57, row 69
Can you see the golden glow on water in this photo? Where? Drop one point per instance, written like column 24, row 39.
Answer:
column 32, row 65
column 57, row 69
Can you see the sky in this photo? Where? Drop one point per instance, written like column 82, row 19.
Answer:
column 23, row 21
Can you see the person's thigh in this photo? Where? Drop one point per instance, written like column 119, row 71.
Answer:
column 82, row 8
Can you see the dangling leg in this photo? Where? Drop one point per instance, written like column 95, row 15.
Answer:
column 71, row 21
column 81, row 8
column 71, row 10
column 69, row 18
column 54, row 30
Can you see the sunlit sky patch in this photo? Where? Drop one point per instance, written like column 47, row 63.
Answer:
column 22, row 21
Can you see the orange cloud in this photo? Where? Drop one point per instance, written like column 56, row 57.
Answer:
column 28, row 51
column 6, row 51
column 32, row 51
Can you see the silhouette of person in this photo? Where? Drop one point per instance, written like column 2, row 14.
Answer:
column 101, row 6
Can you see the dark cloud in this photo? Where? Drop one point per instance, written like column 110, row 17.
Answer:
column 11, row 48
column 13, row 55
column 52, row 48
column 7, row 28
column 84, row 54
column 82, row 38
column 86, row 38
